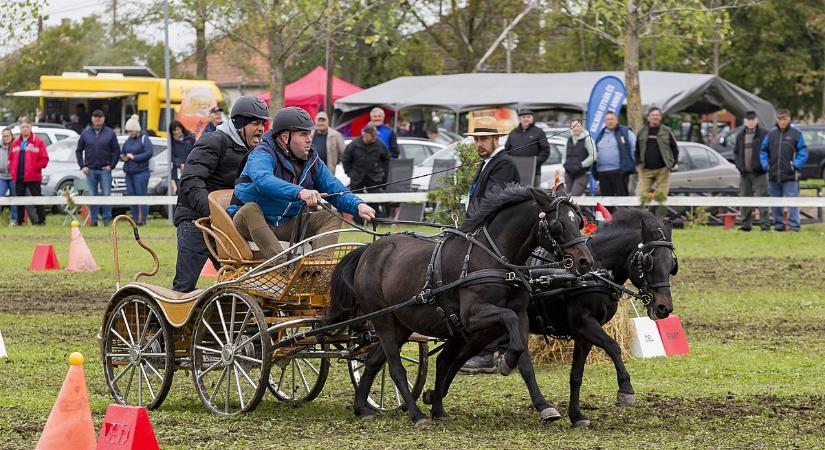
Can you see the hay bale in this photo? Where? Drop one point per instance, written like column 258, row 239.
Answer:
column 560, row 351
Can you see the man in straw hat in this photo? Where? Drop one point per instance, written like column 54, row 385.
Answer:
column 497, row 167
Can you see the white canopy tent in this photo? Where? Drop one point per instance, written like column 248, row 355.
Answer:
column 672, row 92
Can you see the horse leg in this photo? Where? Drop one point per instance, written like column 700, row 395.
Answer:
column 483, row 316
column 375, row 360
column 391, row 344
column 581, row 349
column 593, row 332
column 435, row 397
column 547, row 413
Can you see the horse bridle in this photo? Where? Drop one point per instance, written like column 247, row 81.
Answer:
column 642, row 258
column 551, row 230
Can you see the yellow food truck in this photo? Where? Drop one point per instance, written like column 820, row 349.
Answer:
column 122, row 91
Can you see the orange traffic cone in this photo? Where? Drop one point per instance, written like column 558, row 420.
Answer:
column 70, row 422
column 80, row 257
column 44, row 258
column 209, row 270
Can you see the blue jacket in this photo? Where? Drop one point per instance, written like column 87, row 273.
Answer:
column 783, row 153
column 626, row 161
column 268, row 180
column 96, row 150
column 141, row 148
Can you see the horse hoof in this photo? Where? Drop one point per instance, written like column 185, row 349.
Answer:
column 367, row 417
column 549, row 415
column 503, row 367
column 427, row 397
column 444, row 417
column 583, row 423
column 625, row 399
column 423, row 423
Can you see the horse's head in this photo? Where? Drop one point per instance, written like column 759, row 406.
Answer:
column 559, row 230
column 650, row 267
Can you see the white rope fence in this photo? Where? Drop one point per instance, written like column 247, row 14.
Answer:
column 419, row 197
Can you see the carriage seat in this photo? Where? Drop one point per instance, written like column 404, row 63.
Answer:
column 169, row 294
column 230, row 244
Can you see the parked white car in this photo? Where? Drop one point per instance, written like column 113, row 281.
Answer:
column 48, row 133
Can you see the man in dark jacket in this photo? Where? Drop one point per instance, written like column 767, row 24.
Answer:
column 753, row 180
column 212, row 165
column 528, row 140
column 97, row 154
column 615, row 145
column 495, row 170
column 784, row 152
column 656, row 154
column 365, row 160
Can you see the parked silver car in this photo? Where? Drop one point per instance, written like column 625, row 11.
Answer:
column 416, row 149
column 63, row 173
column 700, row 167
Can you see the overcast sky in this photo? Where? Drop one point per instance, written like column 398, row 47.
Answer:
column 181, row 38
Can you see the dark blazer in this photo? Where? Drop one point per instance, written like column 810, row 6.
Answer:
column 498, row 172
column 739, row 150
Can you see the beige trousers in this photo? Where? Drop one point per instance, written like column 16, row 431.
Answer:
column 251, row 224
column 647, row 177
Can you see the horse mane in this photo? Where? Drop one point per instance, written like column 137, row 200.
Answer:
column 625, row 219
column 497, row 199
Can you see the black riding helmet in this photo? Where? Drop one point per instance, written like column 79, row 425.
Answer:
column 291, row 118
column 248, row 109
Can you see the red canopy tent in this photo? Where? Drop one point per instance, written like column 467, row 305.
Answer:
column 309, row 92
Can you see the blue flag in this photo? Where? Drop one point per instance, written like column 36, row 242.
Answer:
column 608, row 94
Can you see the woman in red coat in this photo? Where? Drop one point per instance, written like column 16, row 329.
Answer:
column 27, row 159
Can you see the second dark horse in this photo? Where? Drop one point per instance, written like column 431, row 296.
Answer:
column 511, row 222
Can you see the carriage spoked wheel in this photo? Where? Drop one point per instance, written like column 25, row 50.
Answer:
column 138, row 352
column 384, row 395
column 230, row 353
column 298, row 373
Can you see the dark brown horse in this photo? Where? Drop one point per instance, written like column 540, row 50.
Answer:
column 635, row 246
column 510, row 223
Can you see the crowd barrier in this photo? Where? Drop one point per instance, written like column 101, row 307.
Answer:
column 419, row 197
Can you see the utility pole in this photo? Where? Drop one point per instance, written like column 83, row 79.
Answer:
column 330, row 61
column 168, row 111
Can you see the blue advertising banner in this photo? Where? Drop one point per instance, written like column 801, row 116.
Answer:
column 608, row 94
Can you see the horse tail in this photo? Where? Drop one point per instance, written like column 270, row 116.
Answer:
column 342, row 289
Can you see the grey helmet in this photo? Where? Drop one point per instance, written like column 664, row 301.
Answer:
column 292, row 118
column 249, row 106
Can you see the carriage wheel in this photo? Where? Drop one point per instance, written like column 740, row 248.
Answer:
column 138, row 352
column 230, row 353
column 384, row 396
column 298, row 376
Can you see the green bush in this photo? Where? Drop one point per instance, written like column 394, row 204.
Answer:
column 457, row 185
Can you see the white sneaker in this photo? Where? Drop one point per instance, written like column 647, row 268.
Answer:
column 12, row 223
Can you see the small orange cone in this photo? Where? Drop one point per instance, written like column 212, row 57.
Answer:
column 70, row 422
column 44, row 258
column 80, row 257
column 209, row 270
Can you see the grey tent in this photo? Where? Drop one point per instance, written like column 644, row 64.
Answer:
column 672, row 92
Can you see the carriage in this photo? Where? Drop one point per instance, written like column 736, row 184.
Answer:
column 250, row 332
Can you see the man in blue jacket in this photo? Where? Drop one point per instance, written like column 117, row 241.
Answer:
column 614, row 157
column 283, row 173
column 783, row 154
column 97, row 154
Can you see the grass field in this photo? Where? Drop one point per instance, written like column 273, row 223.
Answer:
column 751, row 304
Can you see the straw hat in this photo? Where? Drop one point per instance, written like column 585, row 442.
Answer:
column 485, row 126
